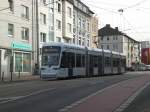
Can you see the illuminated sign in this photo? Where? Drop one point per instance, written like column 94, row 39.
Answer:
column 20, row 45
column 51, row 49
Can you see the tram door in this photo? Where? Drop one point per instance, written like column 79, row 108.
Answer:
column 71, row 63
column 91, row 65
column 119, row 65
column 100, row 65
column 0, row 64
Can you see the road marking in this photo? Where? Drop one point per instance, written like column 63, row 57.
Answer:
column 67, row 108
column 10, row 99
column 123, row 106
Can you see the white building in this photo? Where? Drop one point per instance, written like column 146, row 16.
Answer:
column 82, row 29
column 15, row 37
column 114, row 40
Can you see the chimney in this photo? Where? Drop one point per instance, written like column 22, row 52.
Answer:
column 116, row 28
column 108, row 25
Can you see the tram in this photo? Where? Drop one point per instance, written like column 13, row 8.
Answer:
column 61, row 60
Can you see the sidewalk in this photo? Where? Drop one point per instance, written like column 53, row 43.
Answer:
column 112, row 98
column 20, row 79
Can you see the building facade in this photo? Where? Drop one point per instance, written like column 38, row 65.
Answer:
column 15, row 37
column 94, row 22
column 114, row 40
column 26, row 25
column 145, row 52
column 82, row 27
column 67, row 21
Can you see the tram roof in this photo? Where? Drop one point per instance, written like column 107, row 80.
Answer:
column 80, row 47
column 63, row 45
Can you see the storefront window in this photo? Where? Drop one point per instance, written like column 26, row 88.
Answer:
column 26, row 63
column 18, row 62
column 22, row 62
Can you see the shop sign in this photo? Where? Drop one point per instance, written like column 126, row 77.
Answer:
column 21, row 46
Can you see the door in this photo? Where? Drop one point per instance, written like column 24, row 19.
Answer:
column 100, row 65
column 91, row 66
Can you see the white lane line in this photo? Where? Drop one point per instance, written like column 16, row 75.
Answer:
column 67, row 108
column 123, row 106
column 21, row 97
column 8, row 98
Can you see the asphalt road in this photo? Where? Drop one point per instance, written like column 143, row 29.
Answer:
column 141, row 103
column 51, row 96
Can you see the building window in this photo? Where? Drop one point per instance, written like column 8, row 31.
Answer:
column 83, row 24
column 10, row 30
column 69, row 28
column 43, row 37
column 69, row 12
column 83, row 42
column 43, row 18
column 108, row 47
column 66, row 40
column 58, row 39
column 80, row 22
column 107, row 38
column 74, row 19
column 26, row 62
column 88, row 43
column 114, row 37
column 59, row 7
column 11, row 5
column 74, row 39
column 114, row 46
column 25, row 12
column 43, row 2
column 88, row 26
column 58, row 23
column 79, row 40
column 25, row 33
column 22, row 62
column 18, row 62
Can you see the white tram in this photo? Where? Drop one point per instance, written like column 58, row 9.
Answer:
column 61, row 60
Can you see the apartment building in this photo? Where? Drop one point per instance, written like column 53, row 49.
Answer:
column 26, row 25
column 114, row 40
column 82, row 27
column 67, row 21
column 15, row 37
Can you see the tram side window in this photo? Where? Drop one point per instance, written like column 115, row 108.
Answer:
column 83, row 60
column 95, row 61
column 115, row 62
column 78, row 60
column 118, row 62
column 68, row 60
column 107, row 62
column 64, row 60
column 124, row 62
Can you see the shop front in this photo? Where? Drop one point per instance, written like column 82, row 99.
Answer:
column 22, row 58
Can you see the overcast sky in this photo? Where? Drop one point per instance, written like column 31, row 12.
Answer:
column 134, row 21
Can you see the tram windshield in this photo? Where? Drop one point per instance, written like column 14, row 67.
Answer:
column 50, row 56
